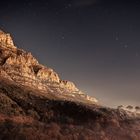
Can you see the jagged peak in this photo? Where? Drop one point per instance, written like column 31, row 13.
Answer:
column 6, row 40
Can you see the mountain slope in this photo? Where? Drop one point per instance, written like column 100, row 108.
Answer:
column 21, row 67
column 36, row 105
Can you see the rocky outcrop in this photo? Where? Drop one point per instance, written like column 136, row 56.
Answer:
column 69, row 85
column 21, row 67
column 6, row 40
column 48, row 74
column 4, row 74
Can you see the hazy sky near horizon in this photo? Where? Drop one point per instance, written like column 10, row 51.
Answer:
column 94, row 43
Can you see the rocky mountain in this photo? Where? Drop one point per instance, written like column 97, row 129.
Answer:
column 35, row 104
column 21, row 67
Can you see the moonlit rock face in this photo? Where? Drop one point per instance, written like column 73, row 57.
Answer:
column 21, row 67
column 92, row 99
column 68, row 84
column 48, row 74
column 6, row 39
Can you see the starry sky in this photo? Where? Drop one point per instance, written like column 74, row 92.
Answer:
column 94, row 43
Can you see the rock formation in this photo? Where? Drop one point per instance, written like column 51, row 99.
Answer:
column 21, row 67
column 6, row 40
column 35, row 104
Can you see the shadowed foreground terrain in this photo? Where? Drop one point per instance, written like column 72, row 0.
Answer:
column 26, row 114
column 35, row 104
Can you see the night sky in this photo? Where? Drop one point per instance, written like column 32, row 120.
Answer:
column 94, row 43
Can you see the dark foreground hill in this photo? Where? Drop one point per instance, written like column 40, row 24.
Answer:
column 35, row 104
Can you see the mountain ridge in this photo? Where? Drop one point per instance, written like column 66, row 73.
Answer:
column 22, row 67
column 35, row 104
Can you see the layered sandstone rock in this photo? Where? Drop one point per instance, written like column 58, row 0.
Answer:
column 21, row 67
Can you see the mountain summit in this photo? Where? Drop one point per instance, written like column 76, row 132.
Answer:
column 35, row 104
column 21, row 67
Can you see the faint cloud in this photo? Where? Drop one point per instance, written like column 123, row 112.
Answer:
column 83, row 3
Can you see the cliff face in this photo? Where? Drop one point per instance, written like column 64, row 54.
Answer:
column 21, row 67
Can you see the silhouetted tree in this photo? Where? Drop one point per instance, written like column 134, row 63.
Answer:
column 120, row 107
column 129, row 107
column 137, row 108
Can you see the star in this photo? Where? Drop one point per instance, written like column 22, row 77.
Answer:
column 125, row 46
column 63, row 37
column 69, row 5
